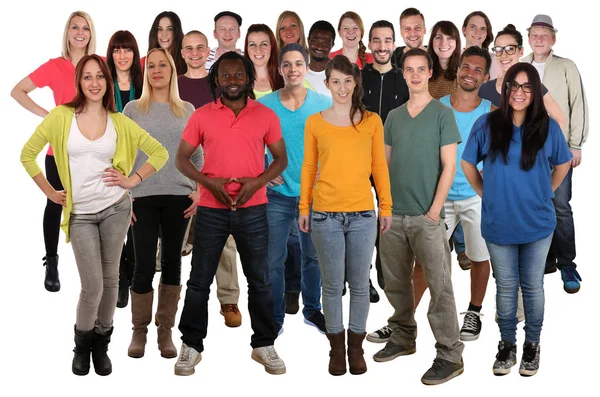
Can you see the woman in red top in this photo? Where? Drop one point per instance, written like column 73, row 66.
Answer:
column 79, row 39
column 351, row 30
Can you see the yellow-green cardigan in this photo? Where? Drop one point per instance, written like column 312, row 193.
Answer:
column 54, row 130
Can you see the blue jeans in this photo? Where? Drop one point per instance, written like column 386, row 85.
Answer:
column 293, row 263
column 520, row 265
column 459, row 239
column 249, row 228
column 345, row 243
column 562, row 251
column 282, row 212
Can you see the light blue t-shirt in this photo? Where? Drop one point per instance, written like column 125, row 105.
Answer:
column 516, row 206
column 292, row 129
column 461, row 188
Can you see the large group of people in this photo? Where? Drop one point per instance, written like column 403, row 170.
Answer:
column 305, row 161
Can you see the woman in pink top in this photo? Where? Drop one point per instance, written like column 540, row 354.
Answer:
column 351, row 30
column 79, row 39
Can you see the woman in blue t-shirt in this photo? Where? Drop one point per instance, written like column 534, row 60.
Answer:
column 525, row 158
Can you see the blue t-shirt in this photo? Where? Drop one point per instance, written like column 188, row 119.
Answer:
column 292, row 129
column 516, row 205
column 461, row 188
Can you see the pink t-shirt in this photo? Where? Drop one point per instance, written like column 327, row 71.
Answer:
column 59, row 75
column 234, row 147
column 368, row 57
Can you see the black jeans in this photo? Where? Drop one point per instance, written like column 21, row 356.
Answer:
column 250, row 229
column 154, row 213
column 127, row 263
column 562, row 251
column 53, row 211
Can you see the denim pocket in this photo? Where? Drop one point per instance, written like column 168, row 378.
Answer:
column 367, row 214
column 319, row 216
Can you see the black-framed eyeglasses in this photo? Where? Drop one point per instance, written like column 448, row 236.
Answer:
column 509, row 49
column 514, row 87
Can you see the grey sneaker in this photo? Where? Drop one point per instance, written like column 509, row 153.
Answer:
column 530, row 362
column 392, row 350
column 268, row 357
column 382, row 335
column 505, row 359
column 188, row 359
column 442, row 371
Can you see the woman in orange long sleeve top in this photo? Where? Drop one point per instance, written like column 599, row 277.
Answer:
column 346, row 143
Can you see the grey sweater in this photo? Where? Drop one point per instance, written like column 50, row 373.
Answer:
column 167, row 128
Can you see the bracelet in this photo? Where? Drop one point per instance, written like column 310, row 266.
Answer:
column 141, row 179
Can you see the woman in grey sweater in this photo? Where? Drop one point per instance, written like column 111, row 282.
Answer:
column 164, row 203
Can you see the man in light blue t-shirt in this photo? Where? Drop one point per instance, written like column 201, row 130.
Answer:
column 293, row 104
column 463, row 204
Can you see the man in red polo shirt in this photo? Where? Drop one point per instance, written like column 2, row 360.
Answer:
column 233, row 131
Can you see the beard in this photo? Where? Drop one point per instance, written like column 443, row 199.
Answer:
column 242, row 92
column 384, row 62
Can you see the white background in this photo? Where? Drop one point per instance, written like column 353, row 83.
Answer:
column 37, row 326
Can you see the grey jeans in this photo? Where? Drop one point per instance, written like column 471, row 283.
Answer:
column 97, row 241
column 408, row 237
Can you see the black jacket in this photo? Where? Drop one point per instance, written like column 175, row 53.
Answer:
column 383, row 93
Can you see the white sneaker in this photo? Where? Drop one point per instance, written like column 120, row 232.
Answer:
column 268, row 357
column 188, row 359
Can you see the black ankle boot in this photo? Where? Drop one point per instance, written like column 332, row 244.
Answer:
column 83, row 347
column 51, row 282
column 123, row 297
column 102, row 364
column 373, row 295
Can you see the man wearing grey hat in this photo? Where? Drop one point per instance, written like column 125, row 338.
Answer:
column 561, row 77
column 227, row 33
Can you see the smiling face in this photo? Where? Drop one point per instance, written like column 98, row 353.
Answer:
column 382, row 45
column 520, row 100
column 289, row 31
column 412, row 30
column 293, row 68
column 350, row 33
column 227, row 32
column 319, row 45
column 507, row 60
column 416, row 72
column 195, row 51
column 79, row 33
column 471, row 73
column 476, row 31
column 259, row 48
column 232, row 79
column 158, row 70
column 341, row 86
column 443, row 45
column 123, row 58
column 165, row 34
column 541, row 40
column 93, row 82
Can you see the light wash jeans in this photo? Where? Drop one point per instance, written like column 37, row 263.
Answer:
column 344, row 242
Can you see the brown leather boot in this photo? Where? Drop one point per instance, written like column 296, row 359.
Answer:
column 355, row 353
column 337, row 354
column 141, row 315
column 168, row 297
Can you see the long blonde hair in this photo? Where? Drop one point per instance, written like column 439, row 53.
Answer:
column 66, row 46
column 282, row 17
column 175, row 102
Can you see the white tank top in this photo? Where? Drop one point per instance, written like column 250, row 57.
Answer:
column 87, row 162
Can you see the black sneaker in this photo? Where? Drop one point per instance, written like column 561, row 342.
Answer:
column 505, row 359
column 530, row 362
column 317, row 320
column 442, row 371
column 472, row 326
column 382, row 335
column 392, row 350
column 291, row 302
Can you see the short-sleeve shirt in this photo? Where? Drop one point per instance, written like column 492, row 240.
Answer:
column 415, row 165
column 234, row 147
column 488, row 91
column 195, row 91
column 516, row 205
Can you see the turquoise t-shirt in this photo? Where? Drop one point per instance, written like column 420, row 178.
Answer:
column 292, row 129
column 461, row 188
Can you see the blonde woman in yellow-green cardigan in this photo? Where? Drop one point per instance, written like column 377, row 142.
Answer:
column 94, row 148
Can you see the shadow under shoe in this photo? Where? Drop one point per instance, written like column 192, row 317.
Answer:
column 82, row 350
column 51, row 281
column 102, row 364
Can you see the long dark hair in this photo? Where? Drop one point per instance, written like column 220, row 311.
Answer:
column 275, row 79
column 535, row 126
column 108, row 100
column 124, row 39
column 449, row 29
column 213, row 75
column 490, row 35
column 177, row 39
column 343, row 65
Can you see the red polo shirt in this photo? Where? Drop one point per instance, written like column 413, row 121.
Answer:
column 234, row 147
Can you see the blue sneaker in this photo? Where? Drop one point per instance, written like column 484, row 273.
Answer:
column 571, row 279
